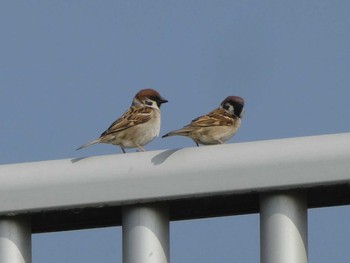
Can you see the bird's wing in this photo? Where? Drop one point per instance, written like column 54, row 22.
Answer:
column 130, row 118
column 217, row 117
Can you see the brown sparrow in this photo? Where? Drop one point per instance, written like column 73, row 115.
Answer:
column 139, row 125
column 217, row 126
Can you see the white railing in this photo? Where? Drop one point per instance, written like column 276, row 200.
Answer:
column 144, row 191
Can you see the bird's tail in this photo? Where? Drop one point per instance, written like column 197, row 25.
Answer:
column 180, row 132
column 89, row 143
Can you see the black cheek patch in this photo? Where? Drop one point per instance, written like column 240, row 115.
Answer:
column 227, row 106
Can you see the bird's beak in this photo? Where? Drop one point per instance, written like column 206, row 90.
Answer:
column 162, row 100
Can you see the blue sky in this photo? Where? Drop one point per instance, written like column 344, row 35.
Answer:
column 70, row 68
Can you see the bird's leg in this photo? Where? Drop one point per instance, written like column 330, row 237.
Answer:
column 140, row 148
column 122, row 149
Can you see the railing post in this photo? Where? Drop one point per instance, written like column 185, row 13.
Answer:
column 283, row 227
column 145, row 233
column 15, row 240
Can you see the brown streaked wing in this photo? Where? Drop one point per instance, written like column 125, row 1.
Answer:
column 130, row 118
column 217, row 117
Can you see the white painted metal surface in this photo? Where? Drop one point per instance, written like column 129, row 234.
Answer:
column 283, row 228
column 15, row 240
column 167, row 175
column 146, row 234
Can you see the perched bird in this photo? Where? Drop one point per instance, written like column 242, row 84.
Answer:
column 217, row 126
column 139, row 125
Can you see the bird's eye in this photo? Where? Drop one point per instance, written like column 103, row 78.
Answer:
column 149, row 102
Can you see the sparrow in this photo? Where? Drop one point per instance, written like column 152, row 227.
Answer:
column 217, row 126
column 139, row 125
